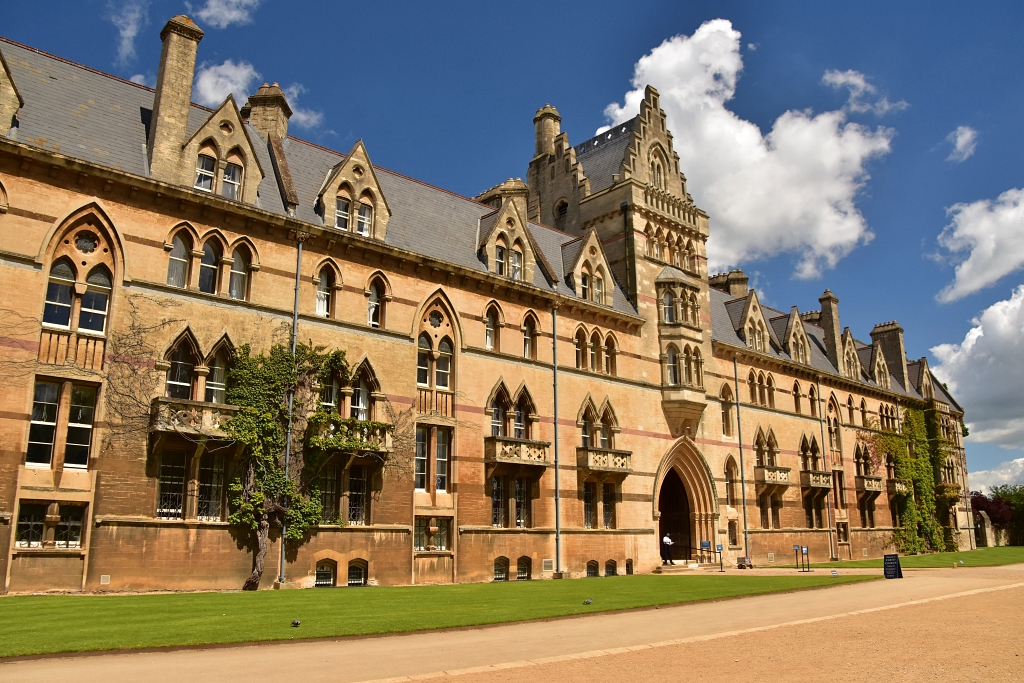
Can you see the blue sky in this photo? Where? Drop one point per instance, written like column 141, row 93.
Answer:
column 446, row 92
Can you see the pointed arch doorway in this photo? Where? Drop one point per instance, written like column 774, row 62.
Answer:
column 674, row 507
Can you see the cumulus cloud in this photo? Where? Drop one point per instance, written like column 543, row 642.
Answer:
column 964, row 140
column 128, row 16
column 224, row 13
column 986, row 238
column 143, row 79
column 790, row 191
column 303, row 118
column 1009, row 472
column 859, row 88
column 985, row 372
column 216, row 81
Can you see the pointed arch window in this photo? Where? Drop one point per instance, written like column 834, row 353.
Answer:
column 587, row 428
column 584, row 286
column 599, row 289
column 206, row 166
column 516, row 267
column 238, row 284
column 863, row 413
column 687, row 366
column 668, row 307
column 812, row 399
column 581, row 349
column 232, row 185
column 520, row 426
column 325, row 292
column 849, row 410
column 364, row 220
column 491, row 330
column 342, row 209
column 727, row 409
column 770, row 390
column 499, row 260
column 609, row 356
column 209, row 268
column 595, row 353
column 752, row 386
column 672, row 366
column 59, row 294
column 423, row 353
column 375, row 306
column 607, row 432
column 443, row 364
column 216, row 381
column 95, row 301
column 177, row 266
column 529, row 335
column 181, row 374
column 361, row 398
column 796, row 398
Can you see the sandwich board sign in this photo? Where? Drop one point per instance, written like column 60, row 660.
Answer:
column 891, row 567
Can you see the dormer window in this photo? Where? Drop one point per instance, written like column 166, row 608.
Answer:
column 205, row 167
column 584, row 286
column 364, row 220
column 516, row 271
column 598, row 290
column 232, row 186
column 341, row 213
column 499, row 260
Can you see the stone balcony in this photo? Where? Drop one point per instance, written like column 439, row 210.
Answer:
column 948, row 491
column 771, row 479
column 900, row 487
column 605, row 461
column 815, row 483
column 349, row 435
column 194, row 418
column 505, row 450
column 869, row 487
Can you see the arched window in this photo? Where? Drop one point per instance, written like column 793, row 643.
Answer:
column 529, row 339
column 687, row 374
column 752, row 386
column 206, row 166
column 238, row 287
column 773, row 450
column 326, row 571
column 586, row 429
column 209, row 268
column 812, row 399
column 524, row 569
column 95, row 301
column 610, row 568
column 770, row 389
column 760, row 450
column 181, row 255
column 325, row 292
column 693, row 311
column 443, row 364
column 593, row 569
column 730, row 483
column 599, row 289
column 762, row 391
column 491, row 330
column 833, row 426
column 675, row 258
column 672, row 366
column 516, row 267
column 669, row 308
column 217, row 380
column 499, row 259
column 595, row 352
column 357, row 573
column 59, row 294
column 498, row 416
column 581, row 349
column 796, row 397
column 863, row 413
column 423, row 352
column 501, row 569
column 850, row 411
column 609, row 356
column 727, row 408
column 361, row 397
column 181, row 374
column 364, row 220
column 342, row 212
column 629, row 567
column 232, row 185
column 607, row 430
column 521, row 423
column 375, row 305
column 584, row 285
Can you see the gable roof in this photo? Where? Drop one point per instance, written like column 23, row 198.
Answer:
column 601, row 156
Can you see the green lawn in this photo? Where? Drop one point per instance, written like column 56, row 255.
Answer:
column 982, row 557
column 71, row 623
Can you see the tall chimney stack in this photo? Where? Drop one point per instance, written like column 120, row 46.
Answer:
column 547, row 125
column 889, row 337
column 269, row 112
column 829, row 322
column 169, row 121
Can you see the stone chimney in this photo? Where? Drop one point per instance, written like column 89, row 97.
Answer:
column 169, row 121
column 889, row 337
column 734, row 283
column 269, row 112
column 829, row 322
column 513, row 188
column 548, row 125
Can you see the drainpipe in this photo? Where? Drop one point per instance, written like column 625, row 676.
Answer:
column 554, row 374
column 739, row 435
column 627, row 229
column 300, row 238
column 832, row 551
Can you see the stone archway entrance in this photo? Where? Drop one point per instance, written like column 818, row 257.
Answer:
column 674, row 507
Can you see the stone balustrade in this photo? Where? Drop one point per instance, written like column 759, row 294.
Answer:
column 900, row 487
column 605, row 460
column 505, row 449
column 813, row 479
column 196, row 418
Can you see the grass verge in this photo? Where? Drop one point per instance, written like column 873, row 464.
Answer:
column 52, row 624
column 982, row 557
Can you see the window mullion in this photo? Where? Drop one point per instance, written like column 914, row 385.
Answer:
column 60, row 437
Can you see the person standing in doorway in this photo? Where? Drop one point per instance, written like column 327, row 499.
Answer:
column 666, row 550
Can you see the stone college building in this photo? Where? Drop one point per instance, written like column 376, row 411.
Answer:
column 571, row 382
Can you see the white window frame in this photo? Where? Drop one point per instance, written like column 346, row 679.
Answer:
column 80, row 425
column 203, row 173
column 231, row 182
column 364, row 219
column 43, row 422
column 342, row 208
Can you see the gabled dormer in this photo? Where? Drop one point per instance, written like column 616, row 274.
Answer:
column 587, row 272
column 879, row 370
column 505, row 243
column 795, row 340
column 755, row 327
column 219, row 156
column 851, row 362
column 351, row 199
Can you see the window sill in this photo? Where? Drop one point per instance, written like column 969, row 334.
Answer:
column 67, row 552
column 434, row 553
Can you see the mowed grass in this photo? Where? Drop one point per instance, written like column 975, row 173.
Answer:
column 982, row 557
column 72, row 623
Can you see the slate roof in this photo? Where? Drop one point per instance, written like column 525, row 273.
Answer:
column 102, row 119
column 601, row 156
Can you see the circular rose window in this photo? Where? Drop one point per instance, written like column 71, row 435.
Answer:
column 86, row 242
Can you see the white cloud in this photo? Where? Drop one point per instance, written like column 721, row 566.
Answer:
column 991, row 233
column 985, row 372
column 143, row 79
column 752, row 47
column 303, row 118
column 790, row 191
column 1009, row 472
column 216, row 81
column 128, row 16
column 964, row 140
column 859, row 88
column 224, row 13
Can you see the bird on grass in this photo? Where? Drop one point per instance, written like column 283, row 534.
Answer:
column 588, row 601
column 296, row 623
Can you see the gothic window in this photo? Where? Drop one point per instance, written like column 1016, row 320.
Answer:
column 580, row 343
column 595, row 352
column 498, row 416
column 360, row 409
column 752, row 387
column 727, row 410
column 850, row 411
column 529, row 339
column 443, row 364
column 364, row 220
column 209, row 268
column 95, row 301
column 523, row 568
column 499, row 260
column 491, row 329
column 687, row 373
column 587, row 427
column 762, row 394
column 520, row 425
column 516, row 266
column 178, row 262
column 216, row 381
column 609, row 356
column 731, row 497
column 43, row 426
column 669, row 307
column 584, row 286
column 672, row 366
column 770, row 389
column 599, row 289
column 607, row 431
column 342, row 208
column 210, row 505
column 325, row 292
column 59, row 294
column 232, row 182
column 375, row 305
column 501, row 568
column 238, row 285
column 357, row 573
column 812, row 400
column 181, row 374
column 796, row 398
column 420, row 462
column 443, row 449
column 206, row 166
